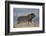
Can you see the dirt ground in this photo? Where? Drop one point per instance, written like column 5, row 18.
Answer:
column 26, row 25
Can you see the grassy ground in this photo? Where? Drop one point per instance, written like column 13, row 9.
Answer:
column 26, row 25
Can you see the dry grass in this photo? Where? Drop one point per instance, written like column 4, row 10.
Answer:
column 26, row 25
